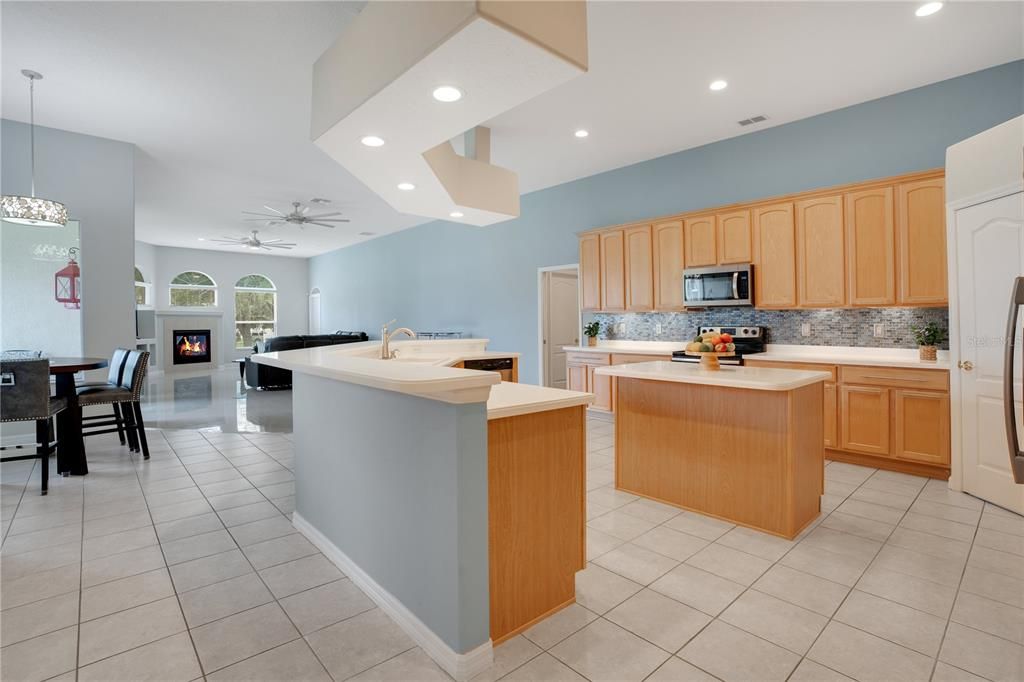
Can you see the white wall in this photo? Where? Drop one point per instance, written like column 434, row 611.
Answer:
column 94, row 178
column 289, row 275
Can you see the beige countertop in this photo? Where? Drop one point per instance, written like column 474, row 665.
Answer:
column 512, row 400
column 753, row 378
column 851, row 355
column 631, row 347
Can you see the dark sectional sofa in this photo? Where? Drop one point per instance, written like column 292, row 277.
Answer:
column 265, row 376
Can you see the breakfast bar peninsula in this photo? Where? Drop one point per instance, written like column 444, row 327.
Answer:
column 742, row 444
column 454, row 499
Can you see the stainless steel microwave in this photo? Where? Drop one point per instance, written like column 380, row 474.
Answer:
column 718, row 286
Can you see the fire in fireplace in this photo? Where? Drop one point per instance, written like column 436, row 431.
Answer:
column 191, row 346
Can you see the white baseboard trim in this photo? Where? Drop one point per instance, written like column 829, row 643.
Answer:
column 460, row 666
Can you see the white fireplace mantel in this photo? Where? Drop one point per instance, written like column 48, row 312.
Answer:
column 190, row 312
column 180, row 318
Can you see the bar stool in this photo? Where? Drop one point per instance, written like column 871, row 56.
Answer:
column 25, row 396
column 124, row 398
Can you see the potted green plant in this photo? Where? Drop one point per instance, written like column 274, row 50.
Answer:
column 591, row 330
column 928, row 338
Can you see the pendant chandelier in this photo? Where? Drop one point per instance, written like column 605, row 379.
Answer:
column 33, row 210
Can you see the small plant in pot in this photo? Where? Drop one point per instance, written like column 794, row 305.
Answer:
column 591, row 330
column 928, row 339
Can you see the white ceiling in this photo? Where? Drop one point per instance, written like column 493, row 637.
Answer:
column 217, row 95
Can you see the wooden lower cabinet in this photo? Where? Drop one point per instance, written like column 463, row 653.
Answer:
column 831, row 410
column 884, row 417
column 921, row 426
column 864, row 415
column 577, row 378
column 601, row 387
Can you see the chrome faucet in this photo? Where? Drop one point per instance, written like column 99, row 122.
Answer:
column 385, row 339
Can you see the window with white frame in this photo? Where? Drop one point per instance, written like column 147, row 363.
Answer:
column 192, row 289
column 255, row 310
column 143, row 290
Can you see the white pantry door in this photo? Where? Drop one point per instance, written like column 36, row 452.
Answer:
column 990, row 255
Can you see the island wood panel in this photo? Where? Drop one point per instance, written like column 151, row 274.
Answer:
column 613, row 271
column 750, row 457
column 820, row 252
column 734, row 239
column 700, row 242
column 536, row 515
column 921, row 242
column 639, row 256
column 775, row 256
column 871, row 248
column 590, row 272
column 668, row 265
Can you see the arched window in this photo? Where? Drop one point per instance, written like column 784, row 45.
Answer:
column 143, row 290
column 255, row 310
column 193, row 289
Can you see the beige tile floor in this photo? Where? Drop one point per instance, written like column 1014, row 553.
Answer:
column 187, row 567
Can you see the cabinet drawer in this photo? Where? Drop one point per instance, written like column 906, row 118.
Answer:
column 931, row 379
column 806, row 366
column 581, row 358
column 629, row 358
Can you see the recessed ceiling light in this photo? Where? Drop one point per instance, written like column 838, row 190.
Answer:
column 928, row 8
column 456, row 214
column 718, row 85
column 372, row 141
column 582, row 133
column 406, row 186
column 447, row 93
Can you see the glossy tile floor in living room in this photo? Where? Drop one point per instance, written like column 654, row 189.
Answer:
column 187, row 567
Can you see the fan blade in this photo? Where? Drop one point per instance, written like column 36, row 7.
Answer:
column 322, row 225
column 265, row 215
column 273, row 210
column 305, row 210
column 323, row 215
column 333, row 220
column 228, row 241
column 279, row 246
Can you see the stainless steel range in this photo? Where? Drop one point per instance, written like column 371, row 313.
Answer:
column 748, row 340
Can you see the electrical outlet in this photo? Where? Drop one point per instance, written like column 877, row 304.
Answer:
column 805, row 329
column 879, row 330
column 657, row 328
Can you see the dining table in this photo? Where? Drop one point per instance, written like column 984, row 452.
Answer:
column 70, row 443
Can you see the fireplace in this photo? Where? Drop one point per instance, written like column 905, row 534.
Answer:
column 191, row 346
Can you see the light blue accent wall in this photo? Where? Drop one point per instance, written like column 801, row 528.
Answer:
column 483, row 280
column 399, row 484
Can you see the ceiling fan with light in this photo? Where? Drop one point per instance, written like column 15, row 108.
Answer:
column 299, row 215
column 254, row 242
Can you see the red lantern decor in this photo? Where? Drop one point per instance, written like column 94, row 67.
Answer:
column 67, row 283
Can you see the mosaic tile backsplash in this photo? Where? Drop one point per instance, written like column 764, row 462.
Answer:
column 829, row 327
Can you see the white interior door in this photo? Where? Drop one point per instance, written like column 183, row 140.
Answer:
column 990, row 255
column 314, row 312
column 563, row 323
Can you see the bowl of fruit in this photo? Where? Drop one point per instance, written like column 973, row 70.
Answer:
column 710, row 346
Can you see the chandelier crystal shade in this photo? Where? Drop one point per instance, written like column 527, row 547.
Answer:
column 33, row 210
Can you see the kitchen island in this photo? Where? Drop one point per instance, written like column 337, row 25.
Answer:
column 453, row 499
column 741, row 444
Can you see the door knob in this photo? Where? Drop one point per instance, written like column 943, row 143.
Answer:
column 965, row 365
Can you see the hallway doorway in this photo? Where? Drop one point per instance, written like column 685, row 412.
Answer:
column 559, row 323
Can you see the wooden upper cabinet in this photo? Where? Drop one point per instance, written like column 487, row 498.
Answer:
column 820, row 252
column 921, row 242
column 590, row 272
column 613, row 275
column 871, row 248
column 774, row 256
column 734, row 241
column 668, row 265
column 639, row 268
column 700, row 241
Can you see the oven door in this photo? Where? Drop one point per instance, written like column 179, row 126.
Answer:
column 718, row 286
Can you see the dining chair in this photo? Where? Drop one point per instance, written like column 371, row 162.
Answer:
column 25, row 396
column 124, row 398
column 114, row 375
